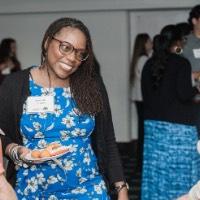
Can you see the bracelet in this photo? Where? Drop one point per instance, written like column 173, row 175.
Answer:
column 13, row 153
column 120, row 187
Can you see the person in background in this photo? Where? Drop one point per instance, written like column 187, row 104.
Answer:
column 171, row 163
column 3, row 65
column 8, row 48
column 141, row 52
column 191, row 49
column 63, row 102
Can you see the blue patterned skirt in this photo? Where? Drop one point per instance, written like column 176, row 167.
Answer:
column 171, row 162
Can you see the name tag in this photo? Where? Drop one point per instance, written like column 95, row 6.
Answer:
column 40, row 104
column 196, row 53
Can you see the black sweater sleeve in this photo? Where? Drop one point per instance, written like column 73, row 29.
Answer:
column 114, row 166
column 6, row 112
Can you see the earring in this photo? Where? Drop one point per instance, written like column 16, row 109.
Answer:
column 178, row 50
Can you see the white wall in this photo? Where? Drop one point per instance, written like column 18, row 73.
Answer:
column 113, row 25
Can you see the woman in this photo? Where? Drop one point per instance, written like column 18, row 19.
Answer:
column 171, row 162
column 141, row 52
column 62, row 101
column 8, row 49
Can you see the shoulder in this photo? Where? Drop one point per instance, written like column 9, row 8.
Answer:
column 142, row 60
column 15, row 79
column 18, row 75
column 178, row 58
column 179, row 63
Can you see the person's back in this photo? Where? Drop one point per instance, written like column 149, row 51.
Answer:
column 172, row 100
column 171, row 161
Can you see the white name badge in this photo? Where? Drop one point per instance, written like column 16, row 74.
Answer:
column 196, row 53
column 39, row 104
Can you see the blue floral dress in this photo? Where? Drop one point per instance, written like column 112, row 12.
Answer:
column 77, row 176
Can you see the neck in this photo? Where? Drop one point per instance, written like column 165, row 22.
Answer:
column 196, row 32
column 53, row 79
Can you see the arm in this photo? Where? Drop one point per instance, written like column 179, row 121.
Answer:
column 7, row 118
column 185, row 91
column 114, row 166
column 6, row 191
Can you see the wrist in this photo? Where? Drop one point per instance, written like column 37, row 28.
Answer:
column 121, row 186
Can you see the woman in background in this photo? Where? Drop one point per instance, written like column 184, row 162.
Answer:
column 171, row 161
column 8, row 49
column 141, row 52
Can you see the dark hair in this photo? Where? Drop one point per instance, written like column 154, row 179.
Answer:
column 83, row 82
column 5, row 46
column 162, row 43
column 138, row 51
column 184, row 29
column 194, row 13
column 5, row 52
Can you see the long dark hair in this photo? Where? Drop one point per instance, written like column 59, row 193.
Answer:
column 83, row 83
column 162, row 43
column 138, row 51
column 5, row 52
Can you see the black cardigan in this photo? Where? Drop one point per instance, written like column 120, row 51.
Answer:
column 172, row 101
column 13, row 93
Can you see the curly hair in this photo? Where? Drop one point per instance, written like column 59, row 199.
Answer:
column 83, row 82
column 162, row 43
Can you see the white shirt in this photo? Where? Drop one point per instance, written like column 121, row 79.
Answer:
column 136, row 91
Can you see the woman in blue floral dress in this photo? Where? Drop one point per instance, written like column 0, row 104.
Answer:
column 63, row 102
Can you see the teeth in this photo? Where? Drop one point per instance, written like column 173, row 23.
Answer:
column 65, row 66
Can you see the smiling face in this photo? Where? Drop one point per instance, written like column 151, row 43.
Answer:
column 62, row 66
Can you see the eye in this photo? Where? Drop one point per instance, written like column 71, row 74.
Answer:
column 66, row 47
column 82, row 55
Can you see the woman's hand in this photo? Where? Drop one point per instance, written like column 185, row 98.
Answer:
column 17, row 153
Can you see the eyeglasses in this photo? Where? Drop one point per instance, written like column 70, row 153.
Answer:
column 66, row 48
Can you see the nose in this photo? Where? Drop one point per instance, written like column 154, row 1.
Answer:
column 71, row 56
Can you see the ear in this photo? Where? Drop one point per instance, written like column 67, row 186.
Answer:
column 194, row 21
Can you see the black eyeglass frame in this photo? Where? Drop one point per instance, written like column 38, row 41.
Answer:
column 73, row 49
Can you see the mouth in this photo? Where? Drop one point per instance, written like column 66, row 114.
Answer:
column 65, row 66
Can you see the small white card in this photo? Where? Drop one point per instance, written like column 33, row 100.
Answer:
column 40, row 104
column 196, row 53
